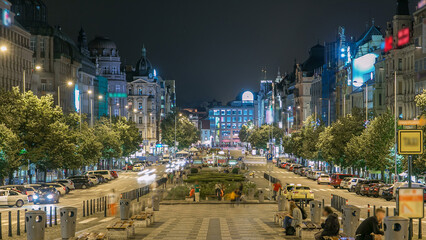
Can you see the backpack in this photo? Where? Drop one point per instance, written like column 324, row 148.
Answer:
column 290, row 231
column 304, row 214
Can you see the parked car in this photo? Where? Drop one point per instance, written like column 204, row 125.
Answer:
column 397, row 186
column 12, row 198
column 386, row 193
column 105, row 173
column 365, row 186
column 101, row 179
column 374, row 190
column 138, row 167
column 315, row 174
column 301, row 193
column 67, row 182
column 114, row 174
column 47, row 195
column 345, row 182
column 352, row 183
column 129, row 167
column 323, row 178
column 93, row 180
column 81, row 181
column 296, row 168
column 336, row 179
column 61, row 188
column 18, row 188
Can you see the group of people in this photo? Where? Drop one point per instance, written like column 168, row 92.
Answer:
column 195, row 192
column 175, row 177
column 369, row 229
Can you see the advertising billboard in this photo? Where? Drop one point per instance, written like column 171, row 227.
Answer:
column 363, row 69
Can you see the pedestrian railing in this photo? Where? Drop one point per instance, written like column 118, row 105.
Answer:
column 270, row 178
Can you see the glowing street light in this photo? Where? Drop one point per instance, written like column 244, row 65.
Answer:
column 3, row 48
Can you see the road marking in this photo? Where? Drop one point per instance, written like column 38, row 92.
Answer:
column 88, row 220
column 107, row 219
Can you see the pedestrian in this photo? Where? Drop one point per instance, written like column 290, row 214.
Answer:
column 197, row 191
column 293, row 219
column 331, row 225
column 277, row 187
column 239, row 193
column 218, row 191
column 369, row 229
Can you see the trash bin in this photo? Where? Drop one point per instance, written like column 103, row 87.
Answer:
column 251, row 193
column 396, row 228
column 35, row 221
column 261, row 195
column 316, row 208
column 156, row 203
column 281, row 203
column 68, row 217
column 350, row 219
column 124, row 209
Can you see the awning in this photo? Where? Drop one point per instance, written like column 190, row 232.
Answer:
column 193, row 150
column 182, row 152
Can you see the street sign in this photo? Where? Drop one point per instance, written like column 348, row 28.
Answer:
column 261, row 151
column 410, row 202
column 410, row 142
column 420, row 122
column 269, row 156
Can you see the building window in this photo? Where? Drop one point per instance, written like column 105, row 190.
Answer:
column 240, row 112
column 216, row 112
column 380, row 99
column 117, row 88
column 42, row 46
column 234, row 119
column 228, row 119
column 115, row 100
column 240, row 119
column 222, row 119
column 140, row 91
column 234, row 125
column 234, row 112
column 139, row 105
column 245, row 119
column 114, row 70
column 130, row 118
column 222, row 112
column 228, row 112
column 116, row 112
column 130, row 91
column 245, row 112
column 32, row 44
column 223, row 125
column 228, row 125
column 250, row 112
column 140, row 120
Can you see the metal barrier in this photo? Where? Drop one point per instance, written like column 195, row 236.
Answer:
column 338, row 202
column 270, row 178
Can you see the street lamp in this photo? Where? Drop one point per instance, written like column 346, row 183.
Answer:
column 37, row 68
column 69, row 83
column 180, row 115
column 3, row 48
column 89, row 92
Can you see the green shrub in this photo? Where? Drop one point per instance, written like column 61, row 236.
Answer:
column 178, row 193
column 235, row 170
column 194, row 170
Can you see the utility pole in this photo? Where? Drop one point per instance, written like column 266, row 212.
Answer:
column 395, row 123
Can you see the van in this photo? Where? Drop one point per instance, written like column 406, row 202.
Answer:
column 337, row 178
column 105, row 173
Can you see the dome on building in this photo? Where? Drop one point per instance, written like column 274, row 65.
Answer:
column 143, row 66
column 103, row 46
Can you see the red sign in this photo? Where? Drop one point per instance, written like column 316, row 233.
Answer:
column 388, row 44
column 403, row 37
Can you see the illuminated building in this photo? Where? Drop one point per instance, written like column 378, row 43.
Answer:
column 104, row 53
column 226, row 121
column 419, row 38
column 16, row 54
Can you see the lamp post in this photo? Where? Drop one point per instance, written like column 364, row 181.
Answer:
column 180, row 114
column 89, row 92
column 396, row 125
column 69, row 83
column 37, row 68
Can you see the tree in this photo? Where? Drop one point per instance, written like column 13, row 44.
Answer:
column 311, row 131
column 10, row 157
column 421, row 101
column 260, row 137
column 325, row 145
column 244, row 134
column 186, row 132
column 129, row 136
column 110, row 140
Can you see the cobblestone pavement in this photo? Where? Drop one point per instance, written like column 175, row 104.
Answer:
column 213, row 222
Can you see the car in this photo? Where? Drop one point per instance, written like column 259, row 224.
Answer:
column 399, row 185
column 336, row 179
column 101, row 179
column 67, row 182
column 386, row 193
column 94, row 180
column 352, row 183
column 138, row 167
column 105, row 173
column 81, row 183
column 374, row 190
column 127, row 167
column 47, row 195
column 12, row 198
column 300, row 192
column 114, row 174
column 67, row 190
column 365, row 186
column 29, row 191
column 315, row 174
column 287, row 189
column 323, row 178
column 61, row 188
column 345, row 182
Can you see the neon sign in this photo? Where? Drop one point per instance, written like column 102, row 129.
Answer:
column 7, row 20
column 388, row 44
column 421, row 4
column 403, row 37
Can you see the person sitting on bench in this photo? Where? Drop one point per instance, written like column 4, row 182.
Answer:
column 331, row 225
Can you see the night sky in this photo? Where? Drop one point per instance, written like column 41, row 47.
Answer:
column 216, row 49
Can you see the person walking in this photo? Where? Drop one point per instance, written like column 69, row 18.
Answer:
column 331, row 225
column 369, row 229
column 218, row 191
column 277, row 187
column 197, row 191
column 294, row 218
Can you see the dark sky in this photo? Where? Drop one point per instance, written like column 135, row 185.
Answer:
column 215, row 49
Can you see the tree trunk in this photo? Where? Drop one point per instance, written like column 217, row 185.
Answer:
column 44, row 175
column 382, row 173
column 10, row 181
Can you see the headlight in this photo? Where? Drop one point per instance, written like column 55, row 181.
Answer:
column 50, row 196
column 35, row 197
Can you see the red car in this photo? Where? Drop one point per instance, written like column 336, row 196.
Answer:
column 337, row 178
column 114, row 174
column 129, row 167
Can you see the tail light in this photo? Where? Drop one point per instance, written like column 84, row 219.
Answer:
column 295, row 192
column 311, row 192
column 376, row 189
column 64, row 189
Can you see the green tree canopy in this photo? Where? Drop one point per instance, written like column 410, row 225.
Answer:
column 186, row 132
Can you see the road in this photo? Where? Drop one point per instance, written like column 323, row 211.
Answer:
column 127, row 181
column 259, row 167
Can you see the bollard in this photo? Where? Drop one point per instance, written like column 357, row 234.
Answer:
column 68, row 222
column 396, row 228
column 387, row 211
column 143, row 206
column 18, row 223
column 1, row 234
column 374, row 209
column 10, row 224
column 84, row 211
column 350, row 220
column 420, row 229
column 25, row 224
column 124, row 209
column 35, row 221
column 56, row 219
column 368, row 211
column 261, row 196
column 91, row 212
column 87, row 208
column 316, row 211
column 105, row 208
column 281, row 203
column 50, row 218
column 156, row 203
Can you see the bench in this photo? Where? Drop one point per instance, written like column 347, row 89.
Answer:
column 116, row 230
column 307, row 231
column 90, row 236
column 279, row 217
column 143, row 219
column 337, row 238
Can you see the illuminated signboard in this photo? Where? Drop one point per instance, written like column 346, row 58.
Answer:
column 363, row 67
column 6, row 18
column 403, row 37
column 421, row 4
column 388, row 44
column 248, row 96
column 77, row 99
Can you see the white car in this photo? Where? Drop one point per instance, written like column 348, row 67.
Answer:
column 105, row 173
column 315, row 174
column 324, row 178
column 352, row 183
column 93, row 179
column 10, row 198
column 61, row 189
column 68, row 183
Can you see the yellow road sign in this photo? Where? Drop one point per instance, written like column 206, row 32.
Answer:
column 420, row 122
column 410, row 142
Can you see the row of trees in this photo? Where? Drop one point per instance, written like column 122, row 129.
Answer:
column 177, row 125
column 259, row 137
column 33, row 130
